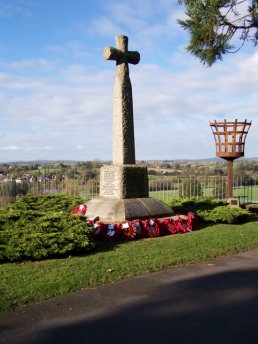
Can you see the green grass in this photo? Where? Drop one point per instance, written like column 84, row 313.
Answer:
column 28, row 282
column 164, row 195
column 250, row 193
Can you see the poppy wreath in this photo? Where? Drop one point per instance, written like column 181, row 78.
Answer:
column 192, row 220
column 182, row 225
column 139, row 228
column 170, row 226
column 113, row 232
column 99, row 230
column 128, row 230
column 80, row 209
column 162, row 228
column 152, row 227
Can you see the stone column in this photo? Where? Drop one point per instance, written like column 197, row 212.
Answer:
column 123, row 124
column 124, row 187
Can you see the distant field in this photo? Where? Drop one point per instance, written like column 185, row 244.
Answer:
column 42, row 171
column 164, row 195
column 244, row 193
column 248, row 193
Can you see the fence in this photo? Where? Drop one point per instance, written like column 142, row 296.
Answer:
column 164, row 188
column 11, row 191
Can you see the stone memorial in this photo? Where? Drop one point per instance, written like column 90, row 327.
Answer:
column 124, row 190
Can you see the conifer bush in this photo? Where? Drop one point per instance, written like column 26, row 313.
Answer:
column 224, row 214
column 40, row 227
column 183, row 205
column 210, row 210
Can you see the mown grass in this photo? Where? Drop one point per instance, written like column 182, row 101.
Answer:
column 28, row 282
column 244, row 193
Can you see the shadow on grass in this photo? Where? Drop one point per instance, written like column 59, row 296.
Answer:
column 253, row 218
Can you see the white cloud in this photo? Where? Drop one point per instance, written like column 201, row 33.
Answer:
column 75, row 48
column 149, row 25
column 105, row 26
column 55, row 109
column 70, row 116
column 30, row 64
column 10, row 148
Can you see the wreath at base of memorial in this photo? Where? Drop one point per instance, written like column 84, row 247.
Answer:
column 137, row 229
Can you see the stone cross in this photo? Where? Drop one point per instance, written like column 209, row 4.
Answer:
column 124, row 188
column 123, row 125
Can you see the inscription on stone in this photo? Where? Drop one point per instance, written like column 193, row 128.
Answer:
column 109, row 183
column 234, row 202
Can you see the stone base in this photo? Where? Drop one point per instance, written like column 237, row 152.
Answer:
column 117, row 210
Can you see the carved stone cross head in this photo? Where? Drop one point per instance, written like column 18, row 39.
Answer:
column 121, row 54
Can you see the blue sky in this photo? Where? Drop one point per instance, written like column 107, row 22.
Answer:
column 56, row 88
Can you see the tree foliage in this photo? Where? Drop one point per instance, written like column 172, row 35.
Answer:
column 215, row 25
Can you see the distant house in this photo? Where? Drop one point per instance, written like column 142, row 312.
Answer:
column 26, row 177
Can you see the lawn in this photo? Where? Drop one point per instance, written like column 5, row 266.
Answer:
column 164, row 195
column 28, row 282
column 245, row 193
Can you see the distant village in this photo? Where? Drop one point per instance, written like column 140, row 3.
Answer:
column 89, row 170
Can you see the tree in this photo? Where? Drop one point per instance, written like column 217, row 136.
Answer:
column 214, row 24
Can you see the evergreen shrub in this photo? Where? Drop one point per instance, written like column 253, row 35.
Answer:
column 224, row 214
column 183, row 205
column 210, row 210
column 40, row 227
column 59, row 202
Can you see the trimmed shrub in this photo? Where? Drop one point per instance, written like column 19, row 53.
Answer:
column 210, row 210
column 184, row 205
column 28, row 232
column 224, row 214
column 60, row 202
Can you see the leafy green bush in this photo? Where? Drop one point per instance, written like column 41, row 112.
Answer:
column 59, row 202
column 224, row 214
column 40, row 227
column 210, row 210
column 183, row 205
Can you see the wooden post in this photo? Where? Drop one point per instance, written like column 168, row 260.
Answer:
column 230, row 179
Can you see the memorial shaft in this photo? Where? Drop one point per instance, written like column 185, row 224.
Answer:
column 124, row 187
column 123, row 122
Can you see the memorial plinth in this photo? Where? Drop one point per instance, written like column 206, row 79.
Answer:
column 124, row 189
column 124, row 195
column 110, row 210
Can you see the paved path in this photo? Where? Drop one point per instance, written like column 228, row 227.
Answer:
column 211, row 302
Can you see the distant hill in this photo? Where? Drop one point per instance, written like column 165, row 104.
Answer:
column 154, row 160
